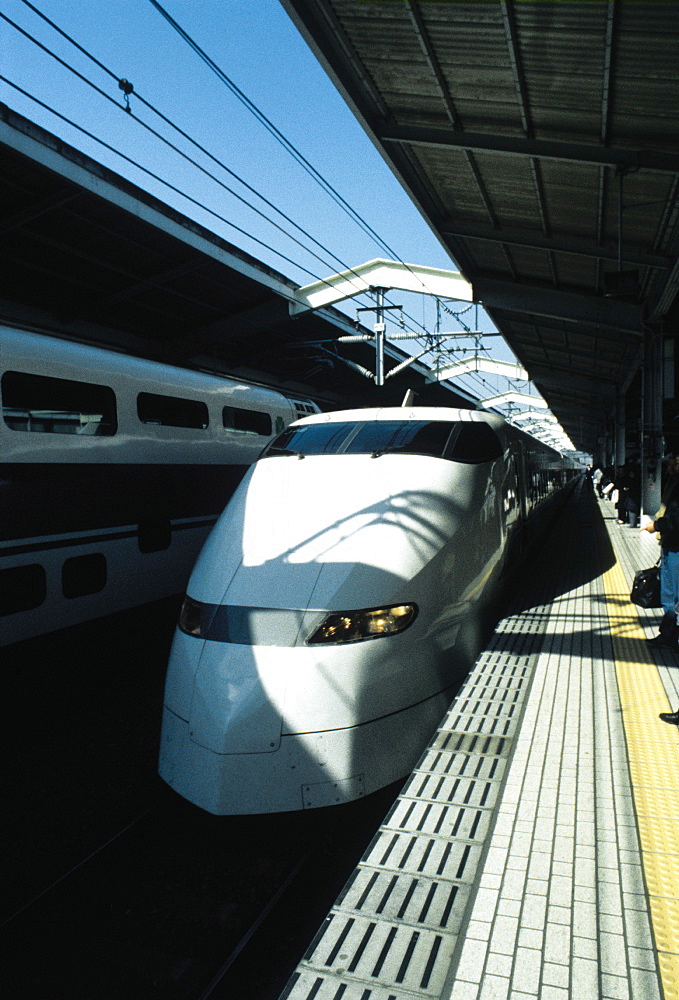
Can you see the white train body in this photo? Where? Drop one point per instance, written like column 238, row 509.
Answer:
column 261, row 713
column 114, row 469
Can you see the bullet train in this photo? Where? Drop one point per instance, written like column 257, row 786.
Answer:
column 334, row 604
column 113, row 471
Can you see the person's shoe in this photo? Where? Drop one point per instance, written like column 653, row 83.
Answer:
column 662, row 641
column 671, row 717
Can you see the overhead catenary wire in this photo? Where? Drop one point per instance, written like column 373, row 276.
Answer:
column 273, row 130
column 289, row 146
column 176, row 149
column 132, row 162
column 150, row 173
column 279, row 136
column 129, row 89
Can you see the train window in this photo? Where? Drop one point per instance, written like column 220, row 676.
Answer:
column 303, row 409
column 57, row 405
column 83, row 575
column 22, row 588
column 154, row 534
column 311, row 439
column 171, row 411
column 415, row 437
column 475, row 443
column 249, row 421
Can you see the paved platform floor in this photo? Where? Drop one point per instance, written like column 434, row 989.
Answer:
column 534, row 852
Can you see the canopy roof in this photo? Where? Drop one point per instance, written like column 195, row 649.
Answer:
column 511, row 125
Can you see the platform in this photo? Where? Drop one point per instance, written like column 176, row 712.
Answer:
column 534, row 851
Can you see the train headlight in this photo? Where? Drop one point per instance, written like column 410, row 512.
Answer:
column 371, row 623
column 191, row 617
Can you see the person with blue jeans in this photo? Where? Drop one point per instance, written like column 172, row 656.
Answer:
column 666, row 524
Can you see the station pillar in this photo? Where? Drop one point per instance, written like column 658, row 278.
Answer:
column 619, row 430
column 651, row 421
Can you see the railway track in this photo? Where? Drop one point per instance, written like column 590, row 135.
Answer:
column 116, row 887
column 186, row 906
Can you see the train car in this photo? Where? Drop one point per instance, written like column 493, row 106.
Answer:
column 336, row 603
column 114, row 469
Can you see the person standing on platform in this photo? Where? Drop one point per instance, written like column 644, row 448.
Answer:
column 666, row 523
column 597, row 477
column 632, row 490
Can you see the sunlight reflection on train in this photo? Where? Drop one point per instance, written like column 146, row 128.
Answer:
column 283, row 697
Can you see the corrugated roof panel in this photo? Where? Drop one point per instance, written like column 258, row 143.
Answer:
column 449, row 171
column 597, row 78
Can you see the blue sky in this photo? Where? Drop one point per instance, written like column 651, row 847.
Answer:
column 259, row 48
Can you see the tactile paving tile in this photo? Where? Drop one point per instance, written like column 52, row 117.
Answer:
column 669, row 971
column 666, row 922
column 653, row 762
column 661, row 876
column 660, row 833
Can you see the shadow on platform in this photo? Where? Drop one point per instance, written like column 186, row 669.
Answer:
column 574, row 551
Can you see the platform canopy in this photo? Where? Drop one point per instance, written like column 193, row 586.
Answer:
column 480, row 363
column 382, row 274
column 522, row 398
column 540, row 141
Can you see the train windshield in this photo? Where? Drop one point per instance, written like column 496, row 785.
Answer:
column 459, row 441
column 421, row 437
column 311, row 439
column 416, row 437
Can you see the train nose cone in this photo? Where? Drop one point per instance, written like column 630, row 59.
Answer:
column 237, row 700
column 319, row 531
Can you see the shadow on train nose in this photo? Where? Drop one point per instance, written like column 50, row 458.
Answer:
column 279, row 724
column 281, row 728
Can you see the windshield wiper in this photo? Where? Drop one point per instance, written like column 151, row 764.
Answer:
column 285, row 451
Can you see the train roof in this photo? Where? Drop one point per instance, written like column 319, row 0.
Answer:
column 28, row 349
column 494, row 420
column 405, row 413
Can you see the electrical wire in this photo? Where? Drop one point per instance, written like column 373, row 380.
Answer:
column 150, row 173
column 175, row 149
column 128, row 89
column 280, row 137
column 273, row 130
column 147, row 104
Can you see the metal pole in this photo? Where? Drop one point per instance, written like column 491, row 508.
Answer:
column 620, row 444
column 621, row 176
column 651, row 408
column 379, row 328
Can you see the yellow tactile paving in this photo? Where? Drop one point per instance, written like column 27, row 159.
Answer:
column 663, row 876
column 653, row 751
column 662, row 834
